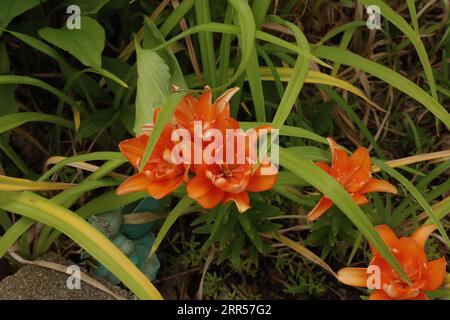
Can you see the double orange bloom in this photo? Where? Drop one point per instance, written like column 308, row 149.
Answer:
column 409, row 251
column 212, row 183
column 353, row 173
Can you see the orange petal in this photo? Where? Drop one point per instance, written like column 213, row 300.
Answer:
column 356, row 277
column 223, row 123
column 333, row 147
column 388, row 274
column 434, row 274
column 241, row 199
column 379, row 295
column 340, row 165
column 322, row 165
column 389, row 237
column 160, row 189
column 186, row 172
column 182, row 118
column 259, row 182
column 357, row 180
column 133, row 149
column 138, row 182
column 198, row 186
column 204, row 105
column 323, row 205
column 184, row 113
column 230, row 123
column 376, row 185
column 359, row 199
column 360, row 160
column 409, row 250
column 221, row 106
column 421, row 235
column 211, row 199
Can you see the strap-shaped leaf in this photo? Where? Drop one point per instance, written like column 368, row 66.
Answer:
column 40, row 209
column 309, row 172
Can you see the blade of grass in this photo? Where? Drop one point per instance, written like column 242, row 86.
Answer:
column 17, row 119
column 287, row 131
column 393, row 78
column 25, row 80
column 206, row 43
column 299, row 74
column 225, row 28
column 33, row 206
column 94, row 156
column 175, row 17
column 413, row 14
column 343, row 28
column 14, row 157
column 317, row 78
column 225, row 46
column 170, row 220
column 303, row 251
column 68, row 197
column 17, row 184
column 13, row 233
column 259, row 12
column 273, row 70
column 164, row 117
column 104, row 203
column 362, row 127
column 413, row 35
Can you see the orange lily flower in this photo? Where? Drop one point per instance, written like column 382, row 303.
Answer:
column 221, row 183
column 160, row 175
column 409, row 251
column 212, row 115
column 354, row 174
column 214, row 182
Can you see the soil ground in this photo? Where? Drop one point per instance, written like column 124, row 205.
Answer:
column 37, row 283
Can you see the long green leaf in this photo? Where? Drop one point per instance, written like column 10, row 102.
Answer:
column 14, row 157
column 176, row 16
column 287, row 131
column 25, row 80
column 14, row 120
column 393, row 78
column 230, row 29
column 206, row 43
column 164, row 117
column 37, row 208
column 106, row 202
column 299, row 74
column 412, row 34
column 170, row 220
column 309, row 172
column 102, row 155
column 249, row 61
column 13, row 233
